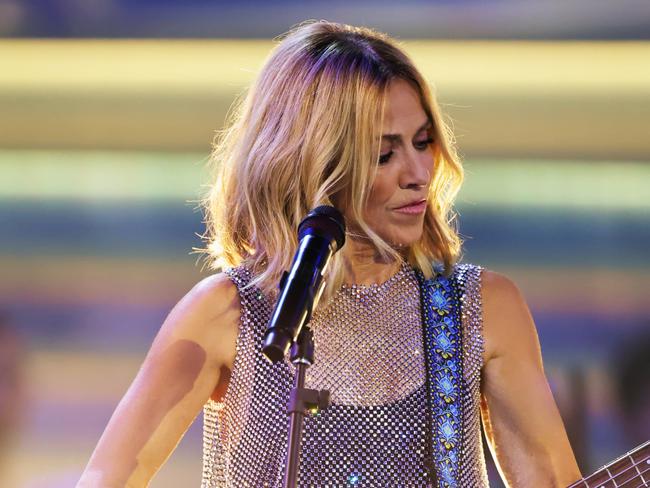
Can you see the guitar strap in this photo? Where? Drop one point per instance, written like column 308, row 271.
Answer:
column 442, row 335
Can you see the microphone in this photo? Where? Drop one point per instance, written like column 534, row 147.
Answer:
column 320, row 234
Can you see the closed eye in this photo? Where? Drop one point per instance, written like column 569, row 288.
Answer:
column 383, row 158
column 419, row 145
column 423, row 145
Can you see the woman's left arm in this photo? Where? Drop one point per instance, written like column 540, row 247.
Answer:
column 522, row 422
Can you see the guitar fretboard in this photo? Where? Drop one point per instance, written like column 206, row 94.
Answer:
column 631, row 470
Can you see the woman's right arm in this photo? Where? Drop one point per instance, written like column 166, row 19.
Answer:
column 180, row 372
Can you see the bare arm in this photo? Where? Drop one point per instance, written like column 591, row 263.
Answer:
column 178, row 375
column 522, row 422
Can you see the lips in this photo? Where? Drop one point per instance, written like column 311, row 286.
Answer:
column 413, row 208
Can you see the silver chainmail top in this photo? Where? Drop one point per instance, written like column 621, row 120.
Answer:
column 369, row 354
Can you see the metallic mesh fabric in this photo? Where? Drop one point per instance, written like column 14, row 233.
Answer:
column 368, row 344
column 472, row 470
column 370, row 355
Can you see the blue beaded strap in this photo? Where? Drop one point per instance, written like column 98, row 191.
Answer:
column 442, row 325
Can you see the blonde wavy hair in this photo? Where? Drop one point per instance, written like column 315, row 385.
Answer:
column 308, row 133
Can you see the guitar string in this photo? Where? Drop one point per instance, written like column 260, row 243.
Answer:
column 635, row 478
column 633, row 466
column 612, row 477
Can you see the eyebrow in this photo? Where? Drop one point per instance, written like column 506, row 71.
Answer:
column 398, row 137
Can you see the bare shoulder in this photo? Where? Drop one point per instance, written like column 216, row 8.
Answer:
column 213, row 296
column 507, row 321
column 208, row 315
column 497, row 287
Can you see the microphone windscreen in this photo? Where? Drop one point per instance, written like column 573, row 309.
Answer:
column 324, row 221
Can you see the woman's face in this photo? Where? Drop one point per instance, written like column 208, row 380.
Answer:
column 398, row 195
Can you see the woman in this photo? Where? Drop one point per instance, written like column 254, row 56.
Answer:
column 414, row 347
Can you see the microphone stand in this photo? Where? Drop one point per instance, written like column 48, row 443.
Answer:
column 301, row 400
column 320, row 234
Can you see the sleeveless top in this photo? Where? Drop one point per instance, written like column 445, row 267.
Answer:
column 389, row 423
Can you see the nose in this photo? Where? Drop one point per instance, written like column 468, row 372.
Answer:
column 416, row 171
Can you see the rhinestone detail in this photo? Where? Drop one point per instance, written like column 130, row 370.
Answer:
column 370, row 355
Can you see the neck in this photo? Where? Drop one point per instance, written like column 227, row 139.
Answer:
column 363, row 265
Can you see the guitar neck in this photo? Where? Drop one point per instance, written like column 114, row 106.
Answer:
column 631, row 470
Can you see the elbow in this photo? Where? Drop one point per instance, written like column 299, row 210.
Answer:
column 555, row 472
column 540, row 467
column 567, row 473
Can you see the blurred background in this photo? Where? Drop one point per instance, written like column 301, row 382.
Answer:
column 107, row 113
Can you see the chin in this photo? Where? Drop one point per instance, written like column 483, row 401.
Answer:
column 402, row 240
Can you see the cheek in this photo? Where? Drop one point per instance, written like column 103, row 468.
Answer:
column 427, row 161
column 376, row 207
column 381, row 191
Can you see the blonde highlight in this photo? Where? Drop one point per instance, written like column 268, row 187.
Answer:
column 306, row 134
